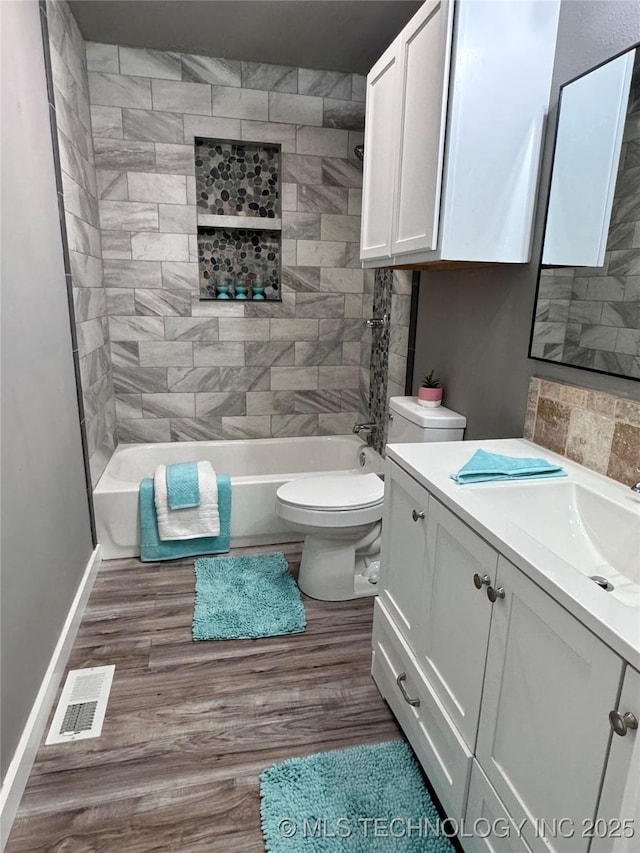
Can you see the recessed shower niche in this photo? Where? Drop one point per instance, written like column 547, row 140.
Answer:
column 239, row 225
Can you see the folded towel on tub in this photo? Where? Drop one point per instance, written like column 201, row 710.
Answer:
column 191, row 523
column 152, row 548
column 183, row 489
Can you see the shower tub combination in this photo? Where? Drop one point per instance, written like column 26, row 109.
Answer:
column 257, row 468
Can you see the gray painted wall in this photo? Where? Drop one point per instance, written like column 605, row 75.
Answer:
column 46, row 540
column 474, row 324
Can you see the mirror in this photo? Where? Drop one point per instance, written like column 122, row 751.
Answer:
column 588, row 300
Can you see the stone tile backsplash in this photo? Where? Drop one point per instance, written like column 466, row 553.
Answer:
column 595, row 429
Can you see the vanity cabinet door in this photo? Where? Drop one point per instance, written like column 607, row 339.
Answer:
column 617, row 829
column 456, row 615
column 403, row 551
column 544, row 732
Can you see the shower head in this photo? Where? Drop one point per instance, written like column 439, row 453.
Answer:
column 359, row 152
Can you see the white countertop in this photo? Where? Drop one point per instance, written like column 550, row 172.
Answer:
column 431, row 464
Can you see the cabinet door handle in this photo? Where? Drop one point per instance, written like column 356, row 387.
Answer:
column 415, row 703
column 494, row 594
column 621, row 723
column 416, row 516
column 481, row 580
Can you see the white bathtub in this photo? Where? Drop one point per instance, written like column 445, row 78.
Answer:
column 257, row 468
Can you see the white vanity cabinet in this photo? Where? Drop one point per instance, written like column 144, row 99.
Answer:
column 503, row 693
column 453, row 131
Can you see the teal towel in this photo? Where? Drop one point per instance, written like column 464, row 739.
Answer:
column 183, row 490
column 152, row 548
column 484, row 466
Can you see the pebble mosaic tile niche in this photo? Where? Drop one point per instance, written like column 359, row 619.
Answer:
column 237, row 182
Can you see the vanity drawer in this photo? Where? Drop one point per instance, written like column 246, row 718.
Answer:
column 439, row 747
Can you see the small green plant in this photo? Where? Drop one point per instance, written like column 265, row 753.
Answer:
column 430, row 381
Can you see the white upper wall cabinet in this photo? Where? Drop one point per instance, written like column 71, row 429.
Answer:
column 455, row 117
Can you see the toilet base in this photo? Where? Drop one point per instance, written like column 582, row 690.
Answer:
column 334, row 570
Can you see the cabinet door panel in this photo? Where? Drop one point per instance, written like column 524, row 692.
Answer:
column 487, row 826
column 620, row 795
column 403, row 550
column 454, row 631
column 425, row 49
column 381, row 154
column 544, row 729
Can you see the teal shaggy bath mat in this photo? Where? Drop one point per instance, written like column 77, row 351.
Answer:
column 240, row 598
column 366, row 799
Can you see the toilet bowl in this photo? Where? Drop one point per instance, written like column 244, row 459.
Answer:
column 340, row 517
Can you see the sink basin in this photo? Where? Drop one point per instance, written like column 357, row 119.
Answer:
column 593, row 533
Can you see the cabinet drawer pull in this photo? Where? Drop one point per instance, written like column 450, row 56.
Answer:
column 481, row 580
column 416, row 516
column 494, row 594
column 415, row 703
column 621, row 723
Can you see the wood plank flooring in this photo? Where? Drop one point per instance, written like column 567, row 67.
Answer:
column 190, row 726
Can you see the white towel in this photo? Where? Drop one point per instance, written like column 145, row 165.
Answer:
column 192, row 522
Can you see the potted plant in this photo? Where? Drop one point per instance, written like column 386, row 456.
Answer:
column 430, row 391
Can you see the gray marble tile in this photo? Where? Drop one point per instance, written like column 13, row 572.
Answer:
column 69, row 123
column 269, row 402
column 76, row 165
column 163, row 303
column 332, row 378
column 180, row 276
column 168, row 405
column 288, row 252
column 275, row 78
column 300, row 226
column 244, row 378
column 106, row 122
column 200, row 379
column 612, row 362
column 268, row 354
column 621, row 236
column 177, row 159
column 210, row 126
column 132, row 274
column 289, row 196
column 599, row 337
column 88, row 303
column 349, row 400
column 322, row 141
column 125, row 353
column 621, row 314
column 400, row 310
column 323, row 199
column 313, row 253
column 337, row 227
column 293, row 425
column 143, row 430
column 191, row 329
column 264, row 131
column 142, row 62
column 351, row 354
column 625, row 262
column 320, row 305
column 399, row 339
column 150, row 126
column 301, row 169
column 229, row 102
column 147, row 246
column 275, row 310
column 342, row 330
column 342, row 280
column 339, row 172
column 124, row 155
column 78, row 201
column 129, row 406
column 112, row 184
column 294, row 330
column 258, row 426
column 581, row 311
column 628, row 341
column 196, row 429
column 120, row 301
column 131, row 379
column 82, row 237
column 128, row 216
column 318, row 352
column 230, row 354
column 116, row 245
column 192, row 98
column 206, row 69
column 348, row 115
column 95, row 364
column 220, row 404
column 325, row 84
column 294, row 378
column 136, row 328
column 241, row 329
column 118, row 90
column 295, row 109
column 90, row 336
column 356, row 137
column 102, row 57
column 358, row 87
column 337, row 424
column 353, row 306
column 168, row 189
column 317, row 401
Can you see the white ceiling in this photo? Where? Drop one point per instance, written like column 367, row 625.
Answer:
column 340, row 35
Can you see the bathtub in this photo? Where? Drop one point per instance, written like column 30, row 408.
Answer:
column 257, row 468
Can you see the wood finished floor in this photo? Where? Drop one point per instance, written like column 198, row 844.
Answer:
column 190, row 726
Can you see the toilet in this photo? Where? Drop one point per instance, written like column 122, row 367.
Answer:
column 340, row 515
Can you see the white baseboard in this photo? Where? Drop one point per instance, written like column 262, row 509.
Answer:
column 18, row 772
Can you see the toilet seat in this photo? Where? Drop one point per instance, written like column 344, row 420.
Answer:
column 332, row 500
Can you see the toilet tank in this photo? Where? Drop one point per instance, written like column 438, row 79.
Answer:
column 410, row 422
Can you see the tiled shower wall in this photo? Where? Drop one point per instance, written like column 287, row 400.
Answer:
column 185, row 369
column 71, row 91
column 594, row 429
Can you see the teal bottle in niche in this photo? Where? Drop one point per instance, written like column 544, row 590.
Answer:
column 241, row 288
column 223, row 289
column 257, row 290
